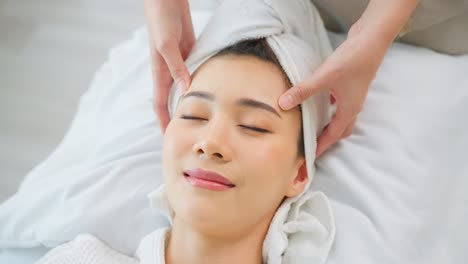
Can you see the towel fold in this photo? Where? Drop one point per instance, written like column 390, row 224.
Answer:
column 303, row 229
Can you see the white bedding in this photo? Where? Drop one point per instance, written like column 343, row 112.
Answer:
column 49, row 51
column 397, row 185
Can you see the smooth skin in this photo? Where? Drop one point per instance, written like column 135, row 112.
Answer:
column 215, row 127
column 346, row 74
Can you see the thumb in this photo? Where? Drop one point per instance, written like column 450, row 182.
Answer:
column 317, row 82
column 176, row 66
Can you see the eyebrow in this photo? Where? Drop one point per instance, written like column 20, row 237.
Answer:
column 242, row 101
column 204, row 95
column 257, row 104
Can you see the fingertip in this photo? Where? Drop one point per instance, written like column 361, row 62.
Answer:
column 181, row 86
column 286, row 102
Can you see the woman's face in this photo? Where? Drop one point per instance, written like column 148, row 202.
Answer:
column 229, row 123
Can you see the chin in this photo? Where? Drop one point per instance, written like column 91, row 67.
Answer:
column 201, row 212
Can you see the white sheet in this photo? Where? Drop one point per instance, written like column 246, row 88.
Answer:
column 396, row 185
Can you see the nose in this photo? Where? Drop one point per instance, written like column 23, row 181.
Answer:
column 213, row 142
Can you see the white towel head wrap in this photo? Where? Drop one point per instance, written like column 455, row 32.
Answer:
column 302, row 230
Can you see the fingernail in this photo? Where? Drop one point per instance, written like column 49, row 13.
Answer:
column 181, row 87
column 286, row 102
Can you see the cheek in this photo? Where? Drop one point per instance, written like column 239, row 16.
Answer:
column 177, row 138
column 270, row 161
column 267, row 169
column 176, row 146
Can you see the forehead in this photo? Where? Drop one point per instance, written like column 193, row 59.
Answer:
column 231, row 75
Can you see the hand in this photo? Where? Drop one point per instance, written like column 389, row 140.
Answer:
column 347, row 74
column 171, row 37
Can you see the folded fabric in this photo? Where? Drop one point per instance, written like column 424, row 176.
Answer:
column 302, row 230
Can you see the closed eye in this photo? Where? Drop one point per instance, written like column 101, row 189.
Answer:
column 256, row 129
column 252, row 128
column 188, row 117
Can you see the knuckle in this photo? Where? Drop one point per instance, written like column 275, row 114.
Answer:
column 155, row 107
column 344, row 115
column 159, row 110
column 358, row 108
column 337, row 69
column 159, row 103
column 334, row 132
column 347, row 133
column 354, row 109
column 163, row 45
column 300, row 94
column 178, row 73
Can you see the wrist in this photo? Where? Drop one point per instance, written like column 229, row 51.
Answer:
column 385, row 20
column 369, row 39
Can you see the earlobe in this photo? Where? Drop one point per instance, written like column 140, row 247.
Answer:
column 300, row 181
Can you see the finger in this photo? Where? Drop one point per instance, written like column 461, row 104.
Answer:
column 162, row 81
column 173, row 57
column 333, row 132
column 349, row 130
column 163, row 114
column 319, row 81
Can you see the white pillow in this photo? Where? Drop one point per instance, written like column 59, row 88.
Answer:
column 396, row 184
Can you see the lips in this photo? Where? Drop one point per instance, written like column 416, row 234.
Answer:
column 208, row 180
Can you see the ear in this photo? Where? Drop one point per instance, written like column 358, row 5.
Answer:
column 299, row 182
